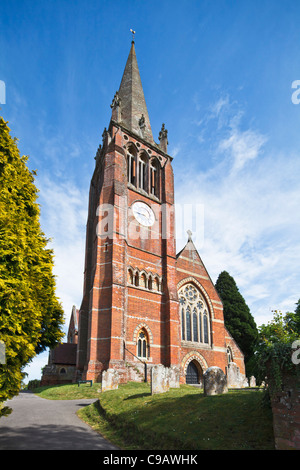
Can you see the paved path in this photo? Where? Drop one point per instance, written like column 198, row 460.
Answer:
column 39, row 424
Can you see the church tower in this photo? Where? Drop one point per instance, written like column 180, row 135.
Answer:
column 129, row 312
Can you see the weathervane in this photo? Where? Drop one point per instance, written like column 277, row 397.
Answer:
column 133, row 33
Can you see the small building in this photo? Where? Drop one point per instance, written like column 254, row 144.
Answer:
column 61, row 365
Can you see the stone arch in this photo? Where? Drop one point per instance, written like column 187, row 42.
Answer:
column 197, row 358
column 142, row 326
column 131, row 146
column 201, row 289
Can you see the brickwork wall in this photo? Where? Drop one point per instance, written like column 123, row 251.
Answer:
column 190, row 269
column 113, row 309
column 286, row 415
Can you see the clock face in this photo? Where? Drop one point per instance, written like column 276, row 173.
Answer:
column 143, row 213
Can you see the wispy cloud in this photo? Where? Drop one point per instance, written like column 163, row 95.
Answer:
column 63, row 219
column 251, row 216
column 242, row 146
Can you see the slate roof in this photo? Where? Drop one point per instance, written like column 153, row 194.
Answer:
column 64, row 353
column 133, row 104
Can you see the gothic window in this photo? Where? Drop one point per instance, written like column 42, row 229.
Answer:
column 143, row 280
column 205, row 327
column 143, row 167
column 229, row 355
column 142, row 345
column 131, row 166
column 188, row 324
column 182, row 324
column 195, row 325
column 154, row 180
column 130, row 276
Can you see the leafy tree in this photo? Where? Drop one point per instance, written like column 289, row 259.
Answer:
column 31, row 316
column 237, row 317
column 275, row 348
column 292, row 320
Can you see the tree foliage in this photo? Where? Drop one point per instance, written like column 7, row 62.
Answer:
column 31, row 316
column 274, row 352
column 237, row 317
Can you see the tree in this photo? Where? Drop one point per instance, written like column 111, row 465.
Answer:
column 237, row 317
column 274, row 352
column 31, row 316
column 292, row 320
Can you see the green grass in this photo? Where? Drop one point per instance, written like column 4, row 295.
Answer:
column 68, row 392
column 181, row 419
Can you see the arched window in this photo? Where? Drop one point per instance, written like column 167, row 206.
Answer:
column 154, row 178
column 130, row 276
column 143, row 172
column 131, row 165
column 229, row 355
column 195, row 325
column 142, row 345
column 143, row 280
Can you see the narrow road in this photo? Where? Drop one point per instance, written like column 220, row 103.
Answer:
column 39, row 424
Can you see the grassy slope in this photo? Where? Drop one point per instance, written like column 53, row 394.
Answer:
column 180, row 419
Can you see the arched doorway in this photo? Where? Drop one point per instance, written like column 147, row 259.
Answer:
column 192, row 374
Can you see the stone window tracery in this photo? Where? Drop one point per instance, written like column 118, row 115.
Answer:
column 195, row 325
column 142, row 345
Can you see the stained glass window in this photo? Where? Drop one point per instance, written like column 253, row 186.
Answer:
column 195, row 324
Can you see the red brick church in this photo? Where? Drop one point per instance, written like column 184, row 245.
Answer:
column 142, row 302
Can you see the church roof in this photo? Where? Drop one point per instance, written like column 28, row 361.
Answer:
column 134, row 113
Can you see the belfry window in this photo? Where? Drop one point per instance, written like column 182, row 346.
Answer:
column 143, row 173
column 195, row 325
column 142, row 345
column 154, row 178
column 131, row 167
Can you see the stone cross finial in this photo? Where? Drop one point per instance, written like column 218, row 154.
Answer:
column 189, row 235
column 133, row 33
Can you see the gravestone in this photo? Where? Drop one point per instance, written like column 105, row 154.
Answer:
column 110, row 380
column 252, row 381
column 164, row 378
column 174, row 376
column 215, row 381
column 234, row 378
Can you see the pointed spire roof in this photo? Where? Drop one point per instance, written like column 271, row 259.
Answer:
column 134, row 113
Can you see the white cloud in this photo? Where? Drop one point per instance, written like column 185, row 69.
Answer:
column 242, row 146
column 251, row 214
column 63, row 219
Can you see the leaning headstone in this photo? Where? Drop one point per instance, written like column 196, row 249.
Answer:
column 234, row 377
column 110, row 380
column 215, row 381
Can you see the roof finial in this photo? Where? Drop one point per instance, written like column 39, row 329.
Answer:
column 189, row 235
column 133, row 33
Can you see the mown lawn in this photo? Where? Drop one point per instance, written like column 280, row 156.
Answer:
column 181, row 419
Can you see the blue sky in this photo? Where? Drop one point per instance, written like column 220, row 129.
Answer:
column 219, row 75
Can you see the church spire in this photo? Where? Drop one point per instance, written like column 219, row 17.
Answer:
column 134, row 114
